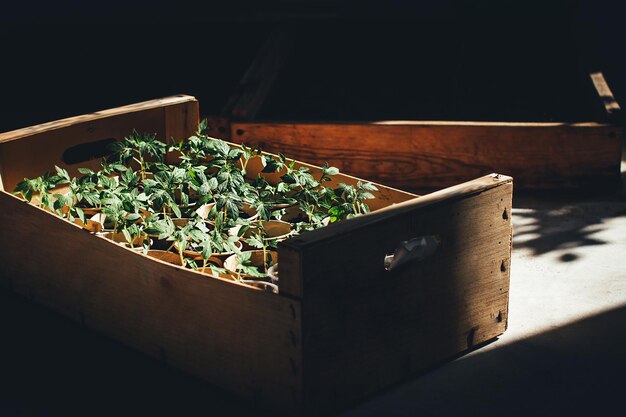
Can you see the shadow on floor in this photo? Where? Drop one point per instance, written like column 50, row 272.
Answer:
column 577, row 369
column 53, row 367
column 557, row 224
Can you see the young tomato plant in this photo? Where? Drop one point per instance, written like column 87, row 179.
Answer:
column 261, row 240
column 40, row 187
column 139, row 148
column 206, row 204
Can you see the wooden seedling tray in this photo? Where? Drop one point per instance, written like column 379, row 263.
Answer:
column 342, row 326
column 412, row 103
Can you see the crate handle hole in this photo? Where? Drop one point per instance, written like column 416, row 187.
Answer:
column 415, row 249
column 87, row 151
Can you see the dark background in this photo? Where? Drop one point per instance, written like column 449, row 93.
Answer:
column 511, row 60
column 453, row 59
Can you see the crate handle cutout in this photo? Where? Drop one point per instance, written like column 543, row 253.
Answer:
column 415, row 249
column 87, row 151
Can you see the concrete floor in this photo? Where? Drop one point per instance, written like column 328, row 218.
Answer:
column 564, row 351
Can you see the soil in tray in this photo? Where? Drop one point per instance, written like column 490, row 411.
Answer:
column 476, row 70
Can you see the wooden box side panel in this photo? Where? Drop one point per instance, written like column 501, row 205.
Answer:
column 442, row 154
column 365, row 328
column 244, row 340
column 28, row 153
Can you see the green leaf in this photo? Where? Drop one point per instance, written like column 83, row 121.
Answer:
column 220, row 147
column 62, row 174
column 154, row 230
column 369, row 186
column 255, row 241
column 133, row 217
column 269, row 164
column 25, row 189
column 217, row 270
column 150, row 183
column 81, row 214
column 197, row 235
column 118, row 167
column 289, row 179
column 206, row 251
column 202, row 127
column 85, row 171
column 232, row 209
column 244, row 257
column 234, row 153
column 282, row 187
column 252, row 271
column 127, row 236
column 332, row 171
column 213, row 183
column 175, row 209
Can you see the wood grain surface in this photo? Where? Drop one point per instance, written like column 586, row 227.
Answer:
column 365, row 327
column 212, row 328
column 418, row 155
column 29, row 152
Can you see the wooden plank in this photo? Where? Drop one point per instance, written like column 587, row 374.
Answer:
column 376, row 220
column 218, row 127
column 292, row 250
column 365, row 327
column 244, row 340
column 181, row 120
column 52, row 139
column 440, row 154
column 123, row 110
column 610, row 105
column 257, row 82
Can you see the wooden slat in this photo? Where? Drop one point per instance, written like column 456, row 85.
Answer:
column 218, row 127
column 365, row 328
column 181, row 120
column 257, row 82
column 293, row 282
column 40, row 147
column 610, row 105
column 242, row 339
column 440, row 154
column 123, row 110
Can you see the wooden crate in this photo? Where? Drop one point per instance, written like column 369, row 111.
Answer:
column 360, row 96
column 342, row 326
